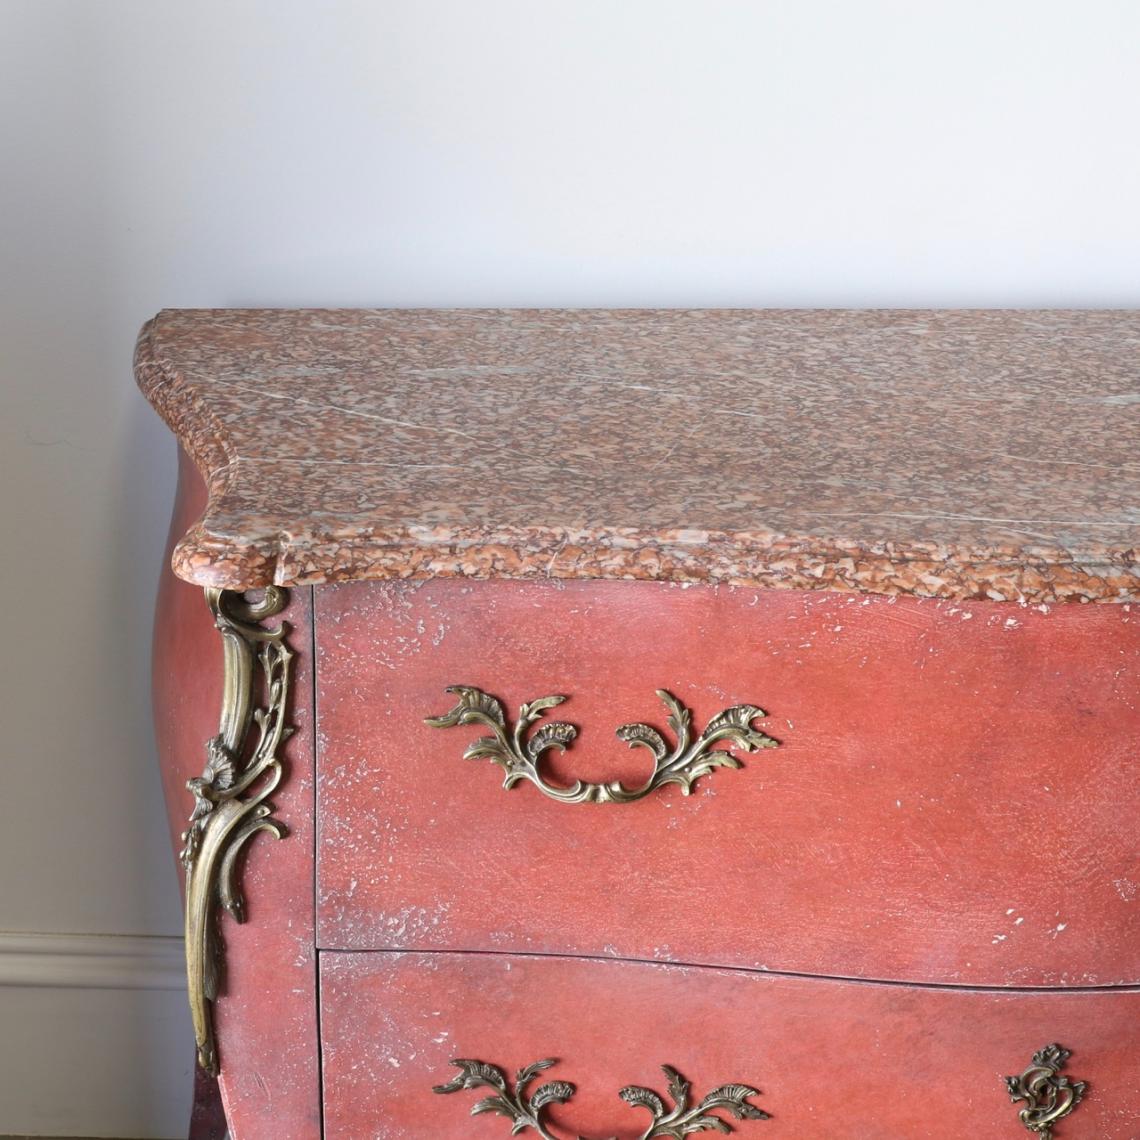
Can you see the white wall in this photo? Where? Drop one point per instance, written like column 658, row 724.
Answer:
column 439, row 152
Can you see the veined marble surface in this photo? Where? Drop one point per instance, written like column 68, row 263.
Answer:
column 959, row 453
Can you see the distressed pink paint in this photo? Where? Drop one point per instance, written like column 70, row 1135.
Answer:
column 954, row 799
column 829, row 1058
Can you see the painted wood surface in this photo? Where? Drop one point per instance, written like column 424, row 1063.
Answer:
column 954, row 799
column 831, row 1059
column 266, row 1019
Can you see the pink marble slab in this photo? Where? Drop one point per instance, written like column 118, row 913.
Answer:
column 960, row 454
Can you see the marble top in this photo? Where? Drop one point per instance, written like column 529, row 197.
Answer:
column 959, row 453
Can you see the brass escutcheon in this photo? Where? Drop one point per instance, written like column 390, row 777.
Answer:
column 1048, row 1096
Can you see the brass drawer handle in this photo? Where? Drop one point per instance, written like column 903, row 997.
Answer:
column 1048, row 1096
column 518, row 755
column 525, row 1110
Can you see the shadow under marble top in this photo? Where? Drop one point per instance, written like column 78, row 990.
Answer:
column 959, row 453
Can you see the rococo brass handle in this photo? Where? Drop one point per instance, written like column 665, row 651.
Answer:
column 519, row 754
column 1048, row 1096
column 525, row 1110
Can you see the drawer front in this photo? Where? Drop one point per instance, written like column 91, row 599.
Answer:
column 826, row 1058
column 953, row 798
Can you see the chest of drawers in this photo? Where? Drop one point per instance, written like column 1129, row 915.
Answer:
column 857, row 590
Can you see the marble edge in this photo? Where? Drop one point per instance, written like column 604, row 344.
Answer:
column 206, row 556
column 212, row 560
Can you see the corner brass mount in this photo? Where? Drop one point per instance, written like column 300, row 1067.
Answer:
column 231, row 796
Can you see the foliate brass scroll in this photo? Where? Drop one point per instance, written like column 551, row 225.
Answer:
column 231, row 796
column 1047, row 1094
column 518, row 753
column 525, row 1110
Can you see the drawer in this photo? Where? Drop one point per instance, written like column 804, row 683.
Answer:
column 953, row 798
column 828, row 1058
